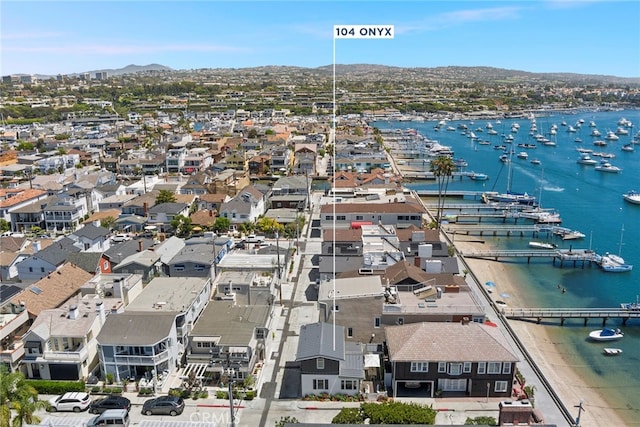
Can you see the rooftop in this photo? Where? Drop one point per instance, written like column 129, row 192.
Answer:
column 173, row 294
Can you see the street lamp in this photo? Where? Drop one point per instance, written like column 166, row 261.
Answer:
column 229, row 370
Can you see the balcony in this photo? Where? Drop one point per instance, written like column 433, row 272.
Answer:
column 142, row 360
column 12, row 353
column 78, row 355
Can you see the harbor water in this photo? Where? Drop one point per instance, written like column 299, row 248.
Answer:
column 589, row 201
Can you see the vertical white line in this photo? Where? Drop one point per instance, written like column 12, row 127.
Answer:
column 333, row 187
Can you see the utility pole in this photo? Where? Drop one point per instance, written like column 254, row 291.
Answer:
column 278, row 271
column 580, row 409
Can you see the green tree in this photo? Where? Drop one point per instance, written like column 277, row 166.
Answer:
column 387, row 413
column 4, row 225
column 222, row 224
column 165, row 196
column 108, row 222
column 19, row 399
column 182, row 225
column 269, row 225
column 481, row 421
column 442, row 167
column 348, row 416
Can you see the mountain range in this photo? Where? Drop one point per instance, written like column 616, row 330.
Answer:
column 449, row 73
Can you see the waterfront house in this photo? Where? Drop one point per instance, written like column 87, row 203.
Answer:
column 399, row 211
column 457, row 359
column 328, row 364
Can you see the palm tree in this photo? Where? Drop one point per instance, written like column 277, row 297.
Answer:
column 442, row 167
column 17, row 396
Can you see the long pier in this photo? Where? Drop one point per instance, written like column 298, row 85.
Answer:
column 495, row 230
column 576, row 256
column 538, row 314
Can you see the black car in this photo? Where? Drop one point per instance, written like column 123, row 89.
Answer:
column 163, row 405
column 98, row 406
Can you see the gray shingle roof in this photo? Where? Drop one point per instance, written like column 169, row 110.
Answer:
column 117, row 253
column 316, row 340
column 234, row 324
column 88, row 261
column 92, row 232
column 170, row 208
column 131, row 328
column 58, row 251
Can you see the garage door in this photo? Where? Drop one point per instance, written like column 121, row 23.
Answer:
column 446, row 384
column 63, row 371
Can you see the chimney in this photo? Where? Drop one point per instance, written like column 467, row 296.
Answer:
column 465, row 320
column 37, row 245
column 140, row 249
column 73, row 312
column 210, row 212
column 145, row 208
column 101, row 313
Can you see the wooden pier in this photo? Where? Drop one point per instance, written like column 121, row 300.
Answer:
column 539, row 314
column 495, row 230
column 575, row 256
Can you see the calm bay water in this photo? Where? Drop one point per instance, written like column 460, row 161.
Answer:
column 588, row 201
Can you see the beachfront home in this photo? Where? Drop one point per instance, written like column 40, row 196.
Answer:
column 399, row 211
column 450, row 359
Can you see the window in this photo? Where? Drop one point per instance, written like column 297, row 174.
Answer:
column 329, row 217
column 501, row 386
column 348, row 385
column 376, row 322
column 341, row 217
column 506, row 368
column 336, row 308
column 442, row 367
column 455, row 368
column 419, row 366
column 482, row 367
column 320, row 363
column 400, row 320
column 41, row 269
column 260, row 334
column 179, row 267
column 198, row 267
column 466, row 368
column 320, row 384
column 30, row 269
column 359, row 217
column 494, row 368
column 349, row 332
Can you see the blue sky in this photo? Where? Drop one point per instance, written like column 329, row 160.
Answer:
column 51, row 37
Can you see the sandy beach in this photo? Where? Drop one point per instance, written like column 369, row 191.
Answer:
column 565, row 380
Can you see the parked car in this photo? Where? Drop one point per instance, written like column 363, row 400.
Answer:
column 98, row 406
column 163, row 405
column 111, row 418
column 119, row 238
column 72, row 401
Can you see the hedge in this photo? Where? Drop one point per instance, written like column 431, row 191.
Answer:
column 56, row 387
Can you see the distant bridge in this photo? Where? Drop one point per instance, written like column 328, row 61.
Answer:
column 538, row 314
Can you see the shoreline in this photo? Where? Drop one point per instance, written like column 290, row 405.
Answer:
column 565, row 379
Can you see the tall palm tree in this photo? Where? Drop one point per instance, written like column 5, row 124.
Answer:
column 17, row 396
column 443, row 168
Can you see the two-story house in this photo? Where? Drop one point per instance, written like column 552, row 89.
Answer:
column 244, row 207
column 229, row 341
column 305, row 159
column 91, row 238
column 457, row 359
column 162, row 214
column 399, row 211
column 12, row 199
column 64, row 212
column 328, row 364
column 192, row 261
column 61, row 344
column 47, row 260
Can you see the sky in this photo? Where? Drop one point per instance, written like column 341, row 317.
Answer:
column 577, row 36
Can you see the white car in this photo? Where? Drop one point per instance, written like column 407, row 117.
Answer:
column 119, row 238
column 72, row 401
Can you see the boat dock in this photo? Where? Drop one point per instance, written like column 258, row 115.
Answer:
column 575, row 256
column 539, row 314
column 496, row 230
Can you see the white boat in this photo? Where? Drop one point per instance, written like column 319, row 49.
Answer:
column 523, row 155
column 633, row 306
column 595, row 132
column 628, row 147
column 611, row 136
column 607, row 334
column 592, row 124
column 612, row 263
column 543, row 245
column 622, row 131
column 572, row 235
column 571, row 129
column 585, row 159
column 605, row 166
column 479, row 176
column 535, row 162
column 612, row 351
column 632, row 197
